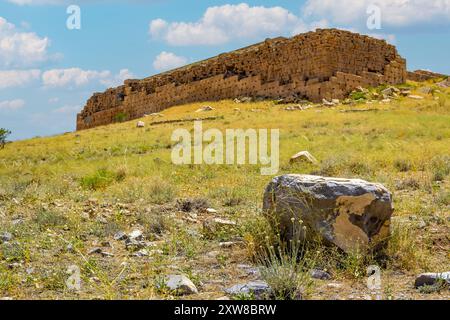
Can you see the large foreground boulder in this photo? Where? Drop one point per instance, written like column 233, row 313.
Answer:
column 349, row 213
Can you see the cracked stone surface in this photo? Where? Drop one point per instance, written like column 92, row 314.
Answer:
column 349, row 213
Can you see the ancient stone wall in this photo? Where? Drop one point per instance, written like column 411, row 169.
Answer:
column 326, row 64
column 423, row 75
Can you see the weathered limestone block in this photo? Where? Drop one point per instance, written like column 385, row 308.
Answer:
column 349, row 213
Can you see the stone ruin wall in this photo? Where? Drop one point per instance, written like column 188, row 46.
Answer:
column 325, row 64
column 423, row 75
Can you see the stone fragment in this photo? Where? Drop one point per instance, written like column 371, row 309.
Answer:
column 415, row 97
column 260, row 289
column 303, row 156
column 431, row 279
column 181, row 285
column 6, row 237
column 349, row 213
column 140, row 124
column 135, row 235
column 95, row 250
column 205, row 109
column 119, row 236
column 320, row 274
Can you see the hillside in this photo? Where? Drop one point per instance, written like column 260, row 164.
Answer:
column 64, row 198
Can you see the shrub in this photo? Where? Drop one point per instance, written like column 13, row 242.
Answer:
column 286, row 268
column 3, row 135
column 160, row 191
column 101, row 179
column 45, row 219
column 358, row 96
column 403, row 165
column 121, row 117
column 440, row 167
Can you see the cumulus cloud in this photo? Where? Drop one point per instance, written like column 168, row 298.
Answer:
column 16, row 78
column 77, row 77
column 118, row 79
column 394, row 13
column 168, row 60
column 21, row 49
column 222, row 24
column 12, row 104
column 72, row 77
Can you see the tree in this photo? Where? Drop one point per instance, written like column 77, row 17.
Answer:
column 3, row 135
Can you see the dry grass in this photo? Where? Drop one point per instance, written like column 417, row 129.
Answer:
column 79, row 188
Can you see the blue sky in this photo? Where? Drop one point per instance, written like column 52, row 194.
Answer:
column 47, row 72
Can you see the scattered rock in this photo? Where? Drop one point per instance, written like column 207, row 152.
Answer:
column 211, row 211
column 251, row 271
column 141, row 253
column 140, row 124
column 107, row 254
column 411, row 96
column 120, row 236
column 425, row 90
column 181, row 285
column 135, row 235
column 327, row 103
column 295, row 108
column 303, row 156
column 259, row 289
column 205, row 108
column 224, row 222
column 361, row 89
column 405, row 93
column 95, row 250
column 350, row 213
column 320, row 274
column 334, row 285
column 6, row 237
column 132, row 244
column 444, row 84
column 229, row 244
column 70, row 248
column 431, row 279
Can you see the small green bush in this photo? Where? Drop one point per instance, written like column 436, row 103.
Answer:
column 121, row 117
column 101, row 179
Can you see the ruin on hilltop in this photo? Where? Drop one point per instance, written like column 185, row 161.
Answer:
column 324, row 64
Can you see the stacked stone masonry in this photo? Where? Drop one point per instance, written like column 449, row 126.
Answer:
column 324, row 64
column 423, row 75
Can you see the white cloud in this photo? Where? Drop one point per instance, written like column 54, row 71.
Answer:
column 12, row 104
column 21, row 48
column 77, row 77
column 118, row 79
column 168, row 60
column 222, row 24
column 15, row 78
column 72, row 77
column 394, row 13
